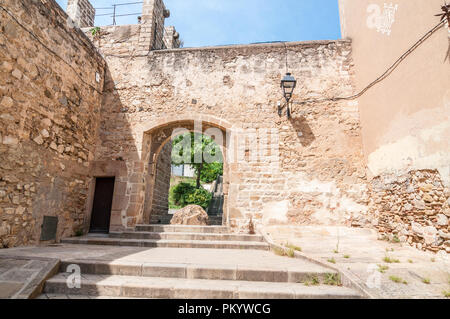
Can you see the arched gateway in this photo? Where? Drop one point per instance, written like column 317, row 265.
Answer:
column 156, row 145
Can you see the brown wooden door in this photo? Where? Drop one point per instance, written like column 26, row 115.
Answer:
column 101, row 209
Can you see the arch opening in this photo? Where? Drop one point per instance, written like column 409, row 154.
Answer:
column 161, row 170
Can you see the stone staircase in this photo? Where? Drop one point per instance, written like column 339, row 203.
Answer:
column 165, row 220
column 216, row 205
column 178, row 266
column 141, row 279
column 168, row 236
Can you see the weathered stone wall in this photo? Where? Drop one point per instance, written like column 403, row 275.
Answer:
column 49, row 115
column 413, row 208
column 118, row 40
column 154, row 13
column 81, row 12
column 160, row 204
column 136, row 39
column 171, row 38
column 319, row 176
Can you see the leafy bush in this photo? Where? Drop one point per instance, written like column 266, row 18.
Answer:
column 200, row 197
column 210, row 172
column 186, row 193
column 179, row 193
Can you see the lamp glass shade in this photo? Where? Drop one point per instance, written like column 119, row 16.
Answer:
column 288, row 83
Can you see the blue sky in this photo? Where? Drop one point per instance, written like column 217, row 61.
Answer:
column 220, row 22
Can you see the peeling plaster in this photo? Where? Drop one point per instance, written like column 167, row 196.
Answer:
column 426, row 149
column 275, row 212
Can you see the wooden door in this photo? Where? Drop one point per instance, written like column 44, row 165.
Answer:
column 101, row 209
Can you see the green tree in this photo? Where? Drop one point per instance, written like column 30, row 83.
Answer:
column 211, row 171
column 199, row 151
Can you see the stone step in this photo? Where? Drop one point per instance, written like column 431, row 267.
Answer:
column 169, row 217
column 183, row 229
column 88, row 240
column 82, row 297
column 200, row 271
column 186, row 236
column 165, row 220
column 177, row 288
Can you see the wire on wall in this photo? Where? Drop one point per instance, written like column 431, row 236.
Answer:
column 385, row 74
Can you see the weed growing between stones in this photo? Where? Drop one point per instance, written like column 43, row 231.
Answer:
column 279, row 251
column 382, row 268
column 332, row 279
column 79, row 233
column 290, row 253
column 390, row 260
column 398, row 280
column 313, row 281
column 293, row 247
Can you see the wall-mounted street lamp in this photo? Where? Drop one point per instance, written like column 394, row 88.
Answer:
column 288, row 84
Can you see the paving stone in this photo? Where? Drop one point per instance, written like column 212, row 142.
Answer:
column 36, row 264
column 12, row 263
column 9, row 289
column 18, row 275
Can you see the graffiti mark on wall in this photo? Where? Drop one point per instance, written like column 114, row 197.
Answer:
column 379, row 20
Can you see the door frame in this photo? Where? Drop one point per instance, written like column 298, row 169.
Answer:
column 108, row 169
column 91, row 202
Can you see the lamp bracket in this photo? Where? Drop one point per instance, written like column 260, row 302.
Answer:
column 281, row 107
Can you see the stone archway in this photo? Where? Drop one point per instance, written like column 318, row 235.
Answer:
column 155, row 144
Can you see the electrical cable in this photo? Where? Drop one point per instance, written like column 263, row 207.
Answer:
column 385, row 74
column 352, row 97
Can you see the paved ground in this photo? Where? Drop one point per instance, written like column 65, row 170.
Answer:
column 19, row 277
column 359, row 252
column 215, row 257
column 365, row 253
column 226, row 261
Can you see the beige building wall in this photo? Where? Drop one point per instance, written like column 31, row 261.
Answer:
column 405, row 119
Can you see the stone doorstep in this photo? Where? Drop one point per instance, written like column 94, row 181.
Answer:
column 186, row 236
column 194, row 271
column 183, row 229
column 167, row 243
column 148, row 287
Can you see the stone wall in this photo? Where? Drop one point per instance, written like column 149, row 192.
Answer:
column 319, row 175
column 160, row 203
column 135, row 39
column 171, row 38
column 412, row 208
column 154, row 13
column 81, row 12
column 118, row 40
column 49, row 115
